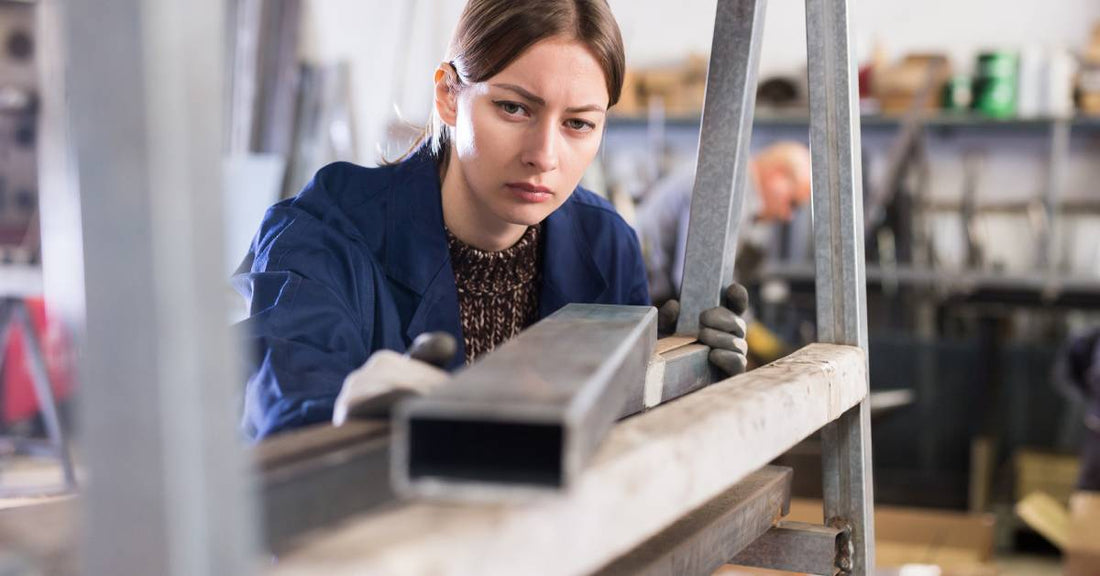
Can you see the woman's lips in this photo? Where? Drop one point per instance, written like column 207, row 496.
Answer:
column 529, row 192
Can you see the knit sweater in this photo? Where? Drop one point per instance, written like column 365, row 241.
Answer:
column 498, row 292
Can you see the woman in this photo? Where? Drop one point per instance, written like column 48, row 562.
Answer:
column 479, row 232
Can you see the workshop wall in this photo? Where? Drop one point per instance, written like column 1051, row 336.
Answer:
column 902, row 26
column 392, row 55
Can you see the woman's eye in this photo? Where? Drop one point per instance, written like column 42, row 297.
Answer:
column 579, row 125
column 510, row 108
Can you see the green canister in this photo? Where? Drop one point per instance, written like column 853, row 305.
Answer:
column 995, row 84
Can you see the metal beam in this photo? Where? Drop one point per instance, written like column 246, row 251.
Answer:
column 707, row 538
column 1048, row 257
column 168, row 491
column 529, row 415
column 718, row 195
column 43, row 391
column 795, row 547
column 839, row 260
column 319, row 476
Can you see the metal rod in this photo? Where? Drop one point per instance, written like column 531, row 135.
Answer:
column 44, row 392
column 1048, row 256
column 718, row 195
column 715, row 532
column 794, row 547
column 839, row 259
column 528, row 416
column 168, row 491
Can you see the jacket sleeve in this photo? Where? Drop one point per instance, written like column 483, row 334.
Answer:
column 638, row 294
column 310, row 293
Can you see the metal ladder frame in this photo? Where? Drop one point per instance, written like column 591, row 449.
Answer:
column 837, row 206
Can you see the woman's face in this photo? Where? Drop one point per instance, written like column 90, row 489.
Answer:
column 523, row 138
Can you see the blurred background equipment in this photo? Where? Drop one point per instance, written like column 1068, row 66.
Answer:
column 19, row 239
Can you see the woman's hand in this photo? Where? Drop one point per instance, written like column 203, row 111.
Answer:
column 721, row 328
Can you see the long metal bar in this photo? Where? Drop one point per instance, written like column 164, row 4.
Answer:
column 795, row 547
column 715, row 532
column 167, row 492
column 839, row 260
column 718, row 196
column 720, row 434
column 528, row 416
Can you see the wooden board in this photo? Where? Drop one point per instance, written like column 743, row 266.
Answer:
column 652, row 470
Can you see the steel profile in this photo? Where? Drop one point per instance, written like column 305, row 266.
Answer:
column 527, row 417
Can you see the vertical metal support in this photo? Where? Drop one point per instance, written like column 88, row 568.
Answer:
column 167, row 491
column 718, row 196
column 1048, row 254
column 840, row 266
column 58, row 193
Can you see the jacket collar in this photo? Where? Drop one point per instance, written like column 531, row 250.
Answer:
column 418, row 257
column 416, row 244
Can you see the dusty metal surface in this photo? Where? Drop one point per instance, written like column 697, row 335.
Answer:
column 715, row 532
column 795, row 547
column 650, row 472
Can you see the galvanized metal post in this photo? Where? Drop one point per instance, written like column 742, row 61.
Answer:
column 719, row 192
column 1048, row 257
column 840, row 266
column 167, row 491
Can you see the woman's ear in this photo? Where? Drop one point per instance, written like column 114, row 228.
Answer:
column 446, row 83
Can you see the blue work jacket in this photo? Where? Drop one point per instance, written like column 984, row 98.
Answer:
column 359, row 261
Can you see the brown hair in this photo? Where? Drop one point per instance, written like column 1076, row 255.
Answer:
column 491, row 34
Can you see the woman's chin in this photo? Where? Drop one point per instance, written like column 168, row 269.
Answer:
column 529, row 215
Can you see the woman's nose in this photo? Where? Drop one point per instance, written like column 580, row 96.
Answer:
column 540, row 150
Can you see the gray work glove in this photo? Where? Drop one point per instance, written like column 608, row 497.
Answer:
column 387, row 377
column 721, row 328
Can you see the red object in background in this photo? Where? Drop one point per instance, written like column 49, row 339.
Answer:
column 19, row 401
column 866, row 77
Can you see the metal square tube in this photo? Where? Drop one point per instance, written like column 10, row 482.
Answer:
column 839, row 260
column 794, row 547
column 718, row 195
column 528, row 416
column 707, row 538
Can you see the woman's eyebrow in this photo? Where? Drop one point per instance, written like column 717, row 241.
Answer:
column 527, row 95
